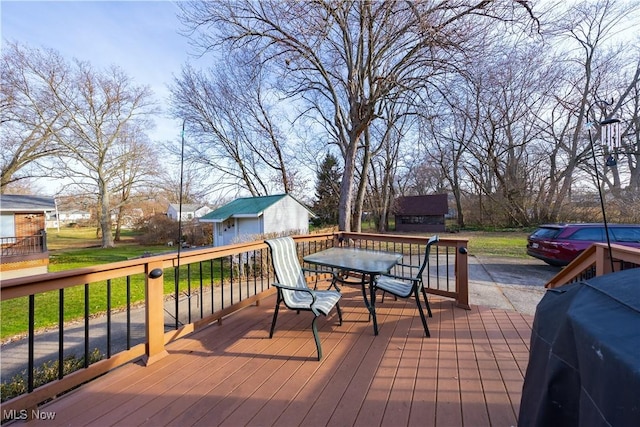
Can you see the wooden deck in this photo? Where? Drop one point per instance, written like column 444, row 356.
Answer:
column 470, row 372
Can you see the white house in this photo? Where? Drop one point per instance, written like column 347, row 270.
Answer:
column 252, row 216
column 189, row 211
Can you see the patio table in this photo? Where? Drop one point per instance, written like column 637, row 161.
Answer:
column 368, row 263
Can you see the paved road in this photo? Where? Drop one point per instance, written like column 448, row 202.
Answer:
column 505, row 283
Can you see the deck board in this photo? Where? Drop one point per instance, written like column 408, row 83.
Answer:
column 469, row 372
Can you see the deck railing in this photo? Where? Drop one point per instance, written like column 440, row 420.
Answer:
column 24, row 245
column 180, row 294
column 596, row 261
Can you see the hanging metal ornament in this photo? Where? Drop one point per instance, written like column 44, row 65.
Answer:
column 610, row 140
column 610, row 134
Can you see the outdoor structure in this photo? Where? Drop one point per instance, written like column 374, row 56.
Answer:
column 254, row 216
column 189, row 211
column 420, row 213
column 70, row 217
column 23, row 238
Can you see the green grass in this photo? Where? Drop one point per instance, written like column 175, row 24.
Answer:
column 509, row 243
column 495, row 243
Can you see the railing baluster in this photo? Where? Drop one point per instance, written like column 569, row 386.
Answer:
column 32, row 321
column 189, row 293
column 231, row 276
column 221, row 283
column 213, row 309
column 108, row 318
column 61, row 334
column 447, row 258
column 86, row 325
column 128, row 312
column 255, row 274
column 176, row 275
column 201, row 291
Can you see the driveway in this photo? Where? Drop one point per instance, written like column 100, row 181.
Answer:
column 508, row 283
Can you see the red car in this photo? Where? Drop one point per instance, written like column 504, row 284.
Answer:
column 559, row 244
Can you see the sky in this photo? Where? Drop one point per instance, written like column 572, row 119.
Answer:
column 140, row 37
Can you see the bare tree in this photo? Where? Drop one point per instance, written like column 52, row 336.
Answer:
column 138, row 169
column 343, row 57
column 29, row 114
column 589, row 60
column 385, row 161
column 231, row 116
column 102, row 108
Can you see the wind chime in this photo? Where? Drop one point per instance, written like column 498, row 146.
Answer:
column 610, row 140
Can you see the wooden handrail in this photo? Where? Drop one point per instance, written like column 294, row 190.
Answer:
column 595, row 257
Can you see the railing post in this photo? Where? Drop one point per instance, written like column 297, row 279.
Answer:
column 43, row 241
column 154, row 293
column 603, row 260
column 462, row 276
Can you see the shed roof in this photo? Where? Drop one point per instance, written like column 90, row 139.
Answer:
column 186, row 207
column 26, row 203
column 242, row 207
column 434, row 204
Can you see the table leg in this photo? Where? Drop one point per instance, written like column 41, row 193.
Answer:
column 370, row 304
column 372, row 307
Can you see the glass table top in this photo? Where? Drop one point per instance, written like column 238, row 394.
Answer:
column 359, row 260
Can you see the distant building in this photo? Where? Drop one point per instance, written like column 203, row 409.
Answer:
column 253, row 216
column 421, row 213
column 23, row 239
column 73, row 216
column 189, row 211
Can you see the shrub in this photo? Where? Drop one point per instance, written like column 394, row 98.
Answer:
column 44, row 374
column 157, row 229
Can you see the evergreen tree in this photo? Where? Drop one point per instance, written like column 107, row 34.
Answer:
column 328, row 191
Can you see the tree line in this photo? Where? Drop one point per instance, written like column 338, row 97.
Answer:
column 488, row 101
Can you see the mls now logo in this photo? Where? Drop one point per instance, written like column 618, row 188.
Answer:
column 23, row 414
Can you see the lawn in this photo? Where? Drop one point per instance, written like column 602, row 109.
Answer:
column 495, row 243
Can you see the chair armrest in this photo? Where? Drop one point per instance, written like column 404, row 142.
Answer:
column 315, row 270
column 395, row 276
column 407, row 265
column 293, row 288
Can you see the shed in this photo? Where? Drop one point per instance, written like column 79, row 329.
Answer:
column 247, row 217
column 23, row 239
column 421, row 213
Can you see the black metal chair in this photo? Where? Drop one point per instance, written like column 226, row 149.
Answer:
column 405, row 286
column 293, row 289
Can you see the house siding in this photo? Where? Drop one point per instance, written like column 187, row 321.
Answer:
column 296, row 215
column 251, row 226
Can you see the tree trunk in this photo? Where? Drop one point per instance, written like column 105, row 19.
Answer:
column 105, row 217
column 346, row 185
column 362, row 185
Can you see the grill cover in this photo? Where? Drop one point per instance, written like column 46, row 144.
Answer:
column 584, row 365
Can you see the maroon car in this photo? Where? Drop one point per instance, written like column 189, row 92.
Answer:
column 559, row 244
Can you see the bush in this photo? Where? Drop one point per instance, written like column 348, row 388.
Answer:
column 157, row 229
column 44, row 374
